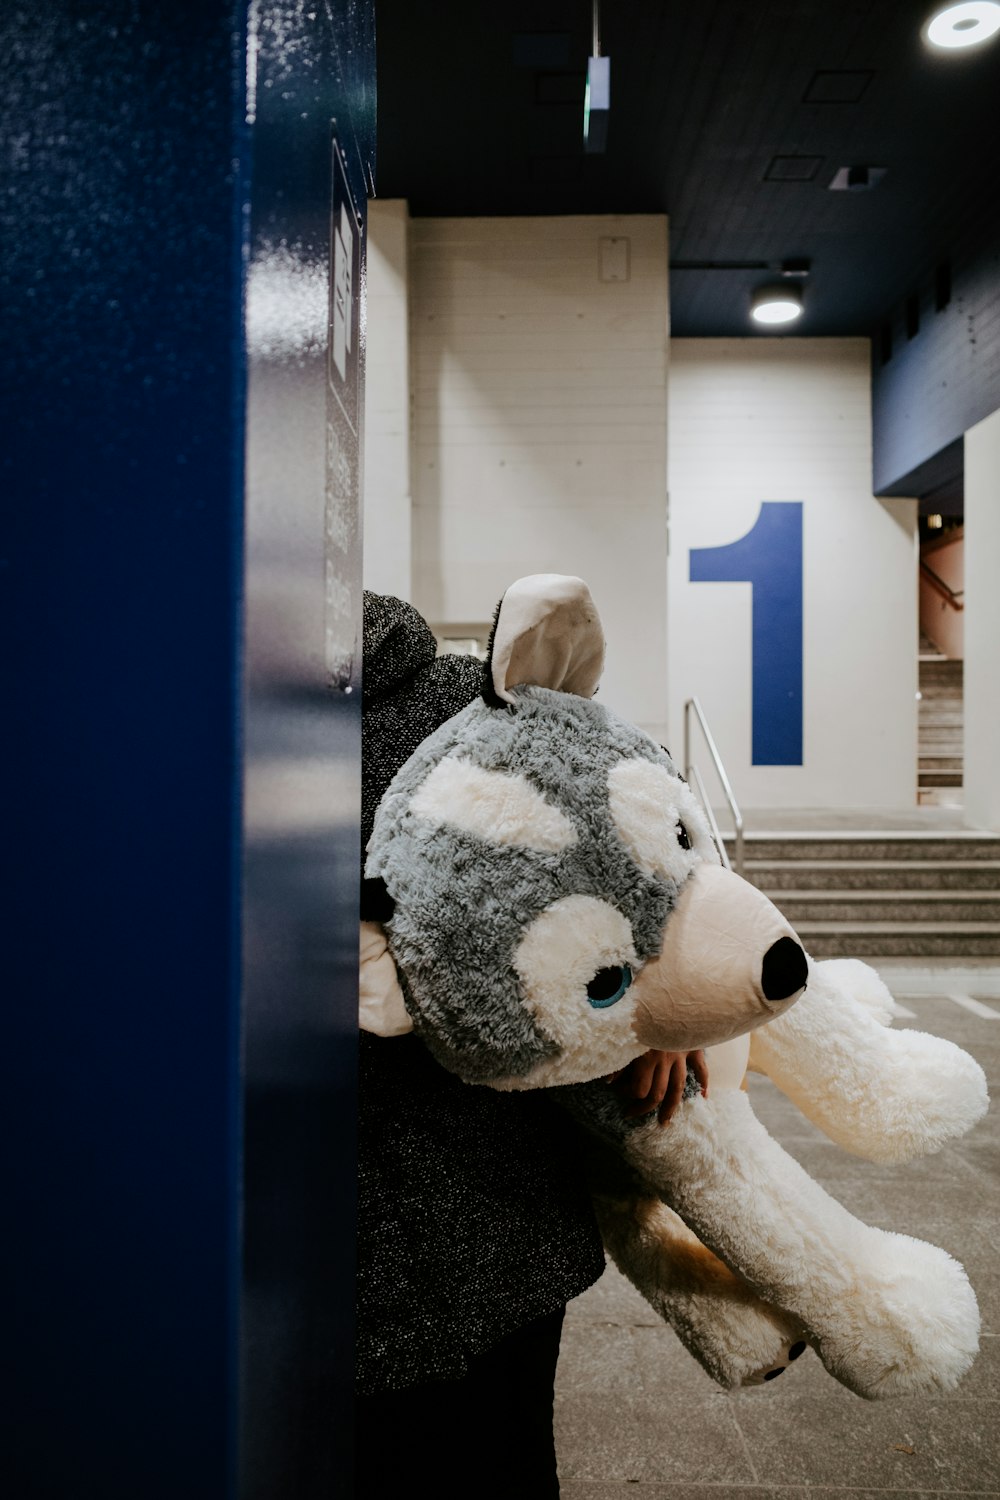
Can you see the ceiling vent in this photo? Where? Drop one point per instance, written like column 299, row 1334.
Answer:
column 837, row 87
column 793, row 168
column 543, row 50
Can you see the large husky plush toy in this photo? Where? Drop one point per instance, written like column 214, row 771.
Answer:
column 553, row 906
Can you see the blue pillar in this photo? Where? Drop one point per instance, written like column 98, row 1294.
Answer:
column 127, row 202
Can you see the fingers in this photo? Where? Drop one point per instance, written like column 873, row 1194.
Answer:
column 675, row 1088
column 653, row 1080
column 661, row 1079
column 656, row 1081
column 640, row 1076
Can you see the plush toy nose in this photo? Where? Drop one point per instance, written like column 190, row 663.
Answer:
column 784, row 971
column 729, row 961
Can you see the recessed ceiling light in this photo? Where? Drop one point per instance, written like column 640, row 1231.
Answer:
column 964, row 25
column 776, row 304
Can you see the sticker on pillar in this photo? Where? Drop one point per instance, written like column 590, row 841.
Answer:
column 769, row 558
column 343, row 458
column 345, row 290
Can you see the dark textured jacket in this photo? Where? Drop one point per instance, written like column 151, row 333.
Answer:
column 473, row 1215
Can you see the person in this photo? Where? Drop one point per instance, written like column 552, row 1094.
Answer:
column 475, row 1222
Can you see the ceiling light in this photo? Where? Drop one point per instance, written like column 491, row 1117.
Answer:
column 964, row 25
column 857, row 179
column 597, row 104
column 776, row 304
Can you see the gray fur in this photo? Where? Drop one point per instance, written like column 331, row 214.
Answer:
column 462, row 904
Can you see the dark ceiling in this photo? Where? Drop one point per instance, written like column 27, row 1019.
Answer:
column 731, row 116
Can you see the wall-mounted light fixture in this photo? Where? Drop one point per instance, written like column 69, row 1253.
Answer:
column 773, row 305
column 964, row 25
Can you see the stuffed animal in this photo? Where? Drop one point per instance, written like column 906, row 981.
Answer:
column 551, row 907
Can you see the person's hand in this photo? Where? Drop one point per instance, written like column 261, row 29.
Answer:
column 655, row 1081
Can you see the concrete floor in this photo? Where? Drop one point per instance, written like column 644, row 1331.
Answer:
column 943, row 818
column 637, row 1418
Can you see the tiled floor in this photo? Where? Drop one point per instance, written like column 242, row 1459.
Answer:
column 636, row 1417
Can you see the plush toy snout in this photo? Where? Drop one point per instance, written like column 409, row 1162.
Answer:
column 729, row 962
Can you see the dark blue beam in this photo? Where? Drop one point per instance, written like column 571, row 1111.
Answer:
column 942, row 375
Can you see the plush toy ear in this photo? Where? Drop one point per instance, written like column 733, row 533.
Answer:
column 547, row 633
column 380, row 999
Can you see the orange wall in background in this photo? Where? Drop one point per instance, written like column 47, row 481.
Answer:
column 939, row 618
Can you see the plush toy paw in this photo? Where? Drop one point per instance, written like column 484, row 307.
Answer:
column 908, row 1325
column 888, row 1315
column 885, row 1095
column 738, row 1339
column 789, row 1354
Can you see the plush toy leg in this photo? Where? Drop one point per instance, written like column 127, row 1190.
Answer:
column 885, row 1095
column 732, row 1334
column 888, row 1315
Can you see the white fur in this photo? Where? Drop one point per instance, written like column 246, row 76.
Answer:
column 888, row 1315
column 646, row 804
column 496, row 806
column 559, row 954
column 853, row 977
column 921, row 1092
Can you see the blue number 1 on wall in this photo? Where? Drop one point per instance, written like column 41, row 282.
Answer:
column 769, row 558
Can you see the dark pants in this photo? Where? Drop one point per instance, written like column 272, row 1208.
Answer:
column 487, row 1434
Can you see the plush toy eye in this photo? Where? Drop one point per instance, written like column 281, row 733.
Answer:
column 682, row 836
column 609, row 985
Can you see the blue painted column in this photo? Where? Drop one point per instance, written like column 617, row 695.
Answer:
column 311, row 108
column 769, row 558
column 126, row 206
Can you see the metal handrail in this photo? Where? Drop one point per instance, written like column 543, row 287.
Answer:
column 944, row 589
column 693, row 776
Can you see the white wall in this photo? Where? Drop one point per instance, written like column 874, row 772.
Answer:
column 387, row 501
column 539, row 436
column 789, row 419
column 982, row 624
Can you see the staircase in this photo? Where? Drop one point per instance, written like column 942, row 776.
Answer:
column 939, row 722
column 870, row 895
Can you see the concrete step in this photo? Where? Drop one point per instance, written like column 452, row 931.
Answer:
column 929, row 908
column 939, row 700
column 942, row 671
column 938, row 720
column 872, row 875
column 900, row 940
column 964, row 845
column 886, row 894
